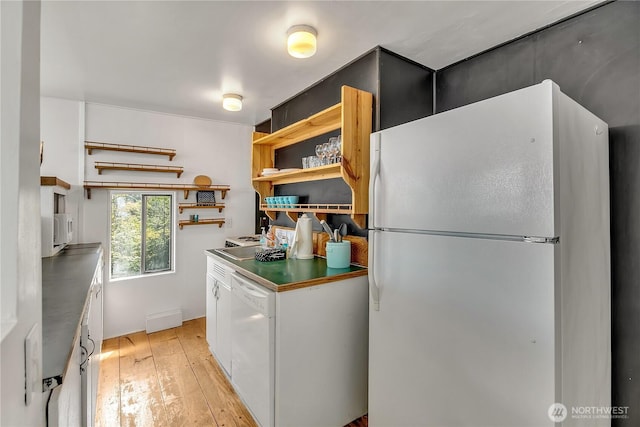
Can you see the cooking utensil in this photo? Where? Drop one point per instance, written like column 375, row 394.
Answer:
column 336, row 235
column 343, row 230
column 328, row 230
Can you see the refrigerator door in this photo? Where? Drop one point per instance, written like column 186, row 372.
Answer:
column 466, row 339
column 484, row 168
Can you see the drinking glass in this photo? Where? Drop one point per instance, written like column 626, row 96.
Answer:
column 326, row 153
column 320, row 152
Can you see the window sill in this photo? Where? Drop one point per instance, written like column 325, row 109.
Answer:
column 141, row 276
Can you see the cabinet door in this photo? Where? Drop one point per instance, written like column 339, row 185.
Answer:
column 223, row 330
column 212, row 289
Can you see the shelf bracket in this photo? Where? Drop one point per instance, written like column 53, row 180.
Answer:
column 320, row 216
column 88, row 193
column 293, row 216
column 271, row 214
column 224, row 193
column 186, row 194
column 360, row 220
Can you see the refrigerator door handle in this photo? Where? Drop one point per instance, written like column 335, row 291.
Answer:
column 375, row 171
column 373, row 287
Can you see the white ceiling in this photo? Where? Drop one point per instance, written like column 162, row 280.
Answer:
column 180, row 56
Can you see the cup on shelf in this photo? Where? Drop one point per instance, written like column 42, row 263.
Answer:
column 281, row 201
column 305, row 163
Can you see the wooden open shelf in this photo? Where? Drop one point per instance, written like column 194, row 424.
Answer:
column 205, row 221
column 353, row 117
column 303, row 175
column 183, row 206
column 323, row 122
column 138, row 168
column 88, row 185
column 92, row 145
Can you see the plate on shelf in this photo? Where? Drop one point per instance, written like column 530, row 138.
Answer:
column 202, row 181
column 290, row 170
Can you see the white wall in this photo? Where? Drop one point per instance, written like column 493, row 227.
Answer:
column 217, row 149
column 62, row 130
column 20, row 204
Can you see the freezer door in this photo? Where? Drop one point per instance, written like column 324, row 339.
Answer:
column 464, row 335
column 483, row 168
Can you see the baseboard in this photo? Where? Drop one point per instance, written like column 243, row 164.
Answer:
column 164, row 320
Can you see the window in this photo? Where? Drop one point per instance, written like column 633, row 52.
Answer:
column 141, row 233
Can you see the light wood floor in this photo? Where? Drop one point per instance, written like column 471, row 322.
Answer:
column 168, row 378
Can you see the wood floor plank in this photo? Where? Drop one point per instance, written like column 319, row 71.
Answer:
column 227, row 408
column 164, row 343
column 108, row 399
column 175, row 376
column 141, row 402
column 189, row 410
column 193, row 338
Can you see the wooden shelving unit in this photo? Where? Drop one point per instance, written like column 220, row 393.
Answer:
column 183, row 206
column 138, row 168
column 353, row 117
column 206, row 221
column 93, row 145
column 88, row 185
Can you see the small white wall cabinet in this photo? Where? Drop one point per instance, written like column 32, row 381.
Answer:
column 53, row 193
column 219, row 312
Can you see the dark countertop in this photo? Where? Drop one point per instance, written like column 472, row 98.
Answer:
column 289, row 274
column 66, row 279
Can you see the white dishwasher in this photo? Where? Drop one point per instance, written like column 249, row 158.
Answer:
column 253, row 347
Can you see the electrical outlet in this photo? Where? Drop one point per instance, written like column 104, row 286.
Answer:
column 229, row 222
column 33, row 380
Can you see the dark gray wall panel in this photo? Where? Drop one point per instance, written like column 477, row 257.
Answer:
column 503, row 70
column 595, row 59
column 361, row 74
column 406, row 90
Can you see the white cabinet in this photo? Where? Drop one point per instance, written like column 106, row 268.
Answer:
column 92, row 347
column 218, row 322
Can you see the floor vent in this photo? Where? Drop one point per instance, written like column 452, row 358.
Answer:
column 164, row 320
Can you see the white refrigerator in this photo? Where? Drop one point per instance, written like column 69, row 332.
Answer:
column 489, row 265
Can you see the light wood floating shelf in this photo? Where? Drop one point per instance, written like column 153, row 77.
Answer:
column 88, row 185
column 92, row 145
column 54, row 180
column 206, row 221
column 353, row 117
column 318, row 124
column 303, row 175
column 319, row 210
column 138, row 168
column 183, row 206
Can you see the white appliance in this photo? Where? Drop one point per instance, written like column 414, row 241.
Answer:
column 62, row 229
column 489, row 264
column 253, row 347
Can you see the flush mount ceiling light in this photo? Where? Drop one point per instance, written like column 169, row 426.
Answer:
column 301, row 41
column 232, row 102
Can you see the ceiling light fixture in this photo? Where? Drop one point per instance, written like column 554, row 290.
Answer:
column 301, row 41
column 232, row 102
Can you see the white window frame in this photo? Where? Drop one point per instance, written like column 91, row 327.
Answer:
column 143, row 274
